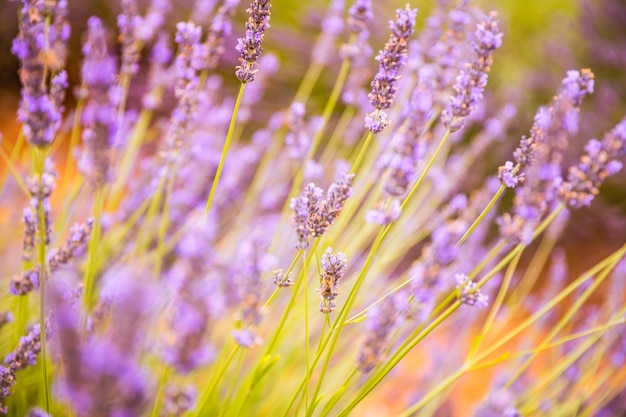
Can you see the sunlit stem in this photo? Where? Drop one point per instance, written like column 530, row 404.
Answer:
column 210, row 388
column 92, row 256
column 482, row 215
column 40, row 159
column 159, row 396
column 229, row 136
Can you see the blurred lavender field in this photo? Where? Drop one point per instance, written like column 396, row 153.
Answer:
column 353, row 207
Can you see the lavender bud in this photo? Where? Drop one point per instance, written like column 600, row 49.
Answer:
column 218, row 31
column 99, row 118
column 332, row 26
column 25, row 283
column 468, row 292
column 600, row 162
column 282, row 281
column 79, row 235
column 179, row 400
column 250, row 47
column 360, row 15
column 334, row 268
column 382, row 319
column 508, row 176
column 128, row 22
column 391, row 59
column 303, row 207
column 472, row 80
column 40, row 46
column 30, row 230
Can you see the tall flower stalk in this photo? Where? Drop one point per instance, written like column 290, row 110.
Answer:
column 250, row 49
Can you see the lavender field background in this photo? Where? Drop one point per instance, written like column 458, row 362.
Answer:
column 353, row 207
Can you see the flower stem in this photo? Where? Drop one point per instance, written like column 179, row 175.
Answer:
column 482, row 215
column 90, row 272
column 40, row 159
column 229, row 136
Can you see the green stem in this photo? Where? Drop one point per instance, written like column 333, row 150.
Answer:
column 229, row 136
column 159, row 396
column 90, row 272
column 163, row 225
column 311, row 76
column 506, row 282
column 306, row 333
column 210, row 388
column 482, row 215
column 40, row 158
column 359, row 158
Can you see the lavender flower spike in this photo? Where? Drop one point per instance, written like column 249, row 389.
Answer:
column 600, row 161
column 472, row 80
column 98, row 73
column 392, row 58
column 312, row 215
column 334, row 268
column 250, row 47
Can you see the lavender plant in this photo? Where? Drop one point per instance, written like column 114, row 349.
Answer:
column 221, row 264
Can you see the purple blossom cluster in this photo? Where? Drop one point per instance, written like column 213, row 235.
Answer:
column 600, row 162
column 249, row 47
column 333, row 269
column 313, row 215
column 41, row 49
column 471, row 82
column 391, row 59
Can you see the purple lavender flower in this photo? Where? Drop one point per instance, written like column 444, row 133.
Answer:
column 472, row 80
column 312, row 215
column 189, row 63
column 507, row 174
column 358, row 52
column 25, row 282
column 99, row 120
column 332, row 26
column 297, row 138
column 333, row 270
column 391, row 59
column 330, row 208
column 30, row 230
column 23, row 356
column 468, row 292
column 303, row 207
column 79, row 235
column 101, row 376
column 539, row 157
column 40, row 46
column 600, row 161
column 218, row 31
column 360, row 15
column 37, row 412
column 178, row 400
column 250, row 47
column 449, row 50
column 281, row 280
column 146, row 27
column 252, row 262
column 382, row 320
column 128, row 22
